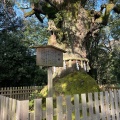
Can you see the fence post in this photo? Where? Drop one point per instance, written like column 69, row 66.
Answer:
column 22, row 112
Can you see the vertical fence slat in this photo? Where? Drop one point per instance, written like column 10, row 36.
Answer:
column 77, row 107
column 4, row 108
column 97, row 105
column 68, row 108
column 119, row 102
column 59, row 108
column 25, row 109
column 112, row 105
column 2, row 92
column 10, row 108
column 10, row 92
column 21, row 96
column 26, row 95
column 84, row 106
column 23, row 93
column 107, row 105
column 90, row 104
column 116, row 105
column 0, row 105
column 38, row 109
column 49, row 108
column 1, row 108
column 31, row 116
column 22, row 110
column 13, row 109
column 102, row 106
column 18, row 114
column 7, row 106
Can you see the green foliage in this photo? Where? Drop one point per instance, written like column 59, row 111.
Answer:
column 8, row 18
column 109, row 7
column 115, row 58
column 36, row 94
column 34, row 34
column 67, row 22
column 74, row 83
column 105, row 54
column 17, row 63
column 115, row 27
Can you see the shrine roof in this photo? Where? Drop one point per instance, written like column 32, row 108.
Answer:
column 49, row 46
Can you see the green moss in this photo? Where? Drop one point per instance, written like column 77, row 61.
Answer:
column 77, row 82
column 99, row 20
column 109, row 7
column 74, row 83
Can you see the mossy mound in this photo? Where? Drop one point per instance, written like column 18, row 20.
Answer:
column 77, row 82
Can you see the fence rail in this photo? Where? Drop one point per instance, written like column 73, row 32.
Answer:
column 107, row 88
column 91, row 106
column 19, row 93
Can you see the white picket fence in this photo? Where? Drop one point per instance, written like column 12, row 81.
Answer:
column 91, row 106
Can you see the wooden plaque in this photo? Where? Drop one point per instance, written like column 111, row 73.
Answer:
column 48, row 56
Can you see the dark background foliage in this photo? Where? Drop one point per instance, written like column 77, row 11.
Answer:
column 17, row 63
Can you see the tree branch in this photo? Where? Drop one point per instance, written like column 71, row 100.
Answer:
column 28, row 14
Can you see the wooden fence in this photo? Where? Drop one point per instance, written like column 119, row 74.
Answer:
column 91, row 106
column 19, row 93
column 107, row 88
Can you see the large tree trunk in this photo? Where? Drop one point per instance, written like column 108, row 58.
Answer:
column 76, row 31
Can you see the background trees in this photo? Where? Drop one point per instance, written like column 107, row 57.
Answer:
column 17, row 59
column 17, row 63
column 34, row 34
column 82, row 27
column 8, row 17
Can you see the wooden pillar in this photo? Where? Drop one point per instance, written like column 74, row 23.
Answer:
column 81, row 64
column 70, row 64
column 50, row 82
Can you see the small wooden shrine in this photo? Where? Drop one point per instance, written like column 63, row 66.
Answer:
column 49, row 55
